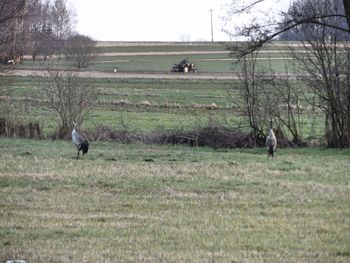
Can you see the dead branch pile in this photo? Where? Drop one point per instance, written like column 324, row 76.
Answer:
column 9, row 128
column 211, row 136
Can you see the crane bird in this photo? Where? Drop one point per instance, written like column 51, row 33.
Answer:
column 271, row 141
column 79, row 141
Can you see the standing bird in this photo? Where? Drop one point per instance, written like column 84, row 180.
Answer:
column 271, row 141
column 79, row 141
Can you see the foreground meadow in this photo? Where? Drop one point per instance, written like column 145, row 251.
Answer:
column 127, row 203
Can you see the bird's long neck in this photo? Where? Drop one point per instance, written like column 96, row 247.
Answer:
column 74, row 126
column 74, row 132
column 271, row 134
column 271, row 130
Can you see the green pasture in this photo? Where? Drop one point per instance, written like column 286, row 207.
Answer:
column 134, row 203
column 214, row 64
column 162, row 63
column 161, row 91
column 171, row 104
column 274, row 54
column 165, row 203
column 145, row 105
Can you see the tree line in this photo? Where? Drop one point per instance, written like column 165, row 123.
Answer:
column 44, row 29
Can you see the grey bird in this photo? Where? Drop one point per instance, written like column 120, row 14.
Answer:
column 79, row 141
column 271, row 142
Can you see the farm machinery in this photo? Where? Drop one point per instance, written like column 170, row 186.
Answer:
column 184, row 66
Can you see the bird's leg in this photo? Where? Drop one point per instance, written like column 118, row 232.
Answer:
column 78, row 155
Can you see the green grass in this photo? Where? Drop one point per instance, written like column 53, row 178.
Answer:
column 183, row 92
column 131, row 203
column 205, row 63
column 127, row 203
column 174, row 104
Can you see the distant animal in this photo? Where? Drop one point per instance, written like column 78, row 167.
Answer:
column 79, row 141
column 271, row 142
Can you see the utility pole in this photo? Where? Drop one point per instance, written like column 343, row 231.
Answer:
column 211, row 24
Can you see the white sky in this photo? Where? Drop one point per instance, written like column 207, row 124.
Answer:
column 152, row 20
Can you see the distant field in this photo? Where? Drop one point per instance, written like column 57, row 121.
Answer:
column 208, row 57
column 132, row 203
column 160, row 57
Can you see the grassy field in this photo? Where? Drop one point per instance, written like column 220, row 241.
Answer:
column 170, row 104
column 173, row 103
column 133, row 203
column 160, row 57
column 152, row 203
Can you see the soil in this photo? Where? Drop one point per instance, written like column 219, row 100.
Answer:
column 132, row 75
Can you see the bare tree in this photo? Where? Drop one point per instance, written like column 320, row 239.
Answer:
column 260, row 95
column 42, row 37
column 318, row 13
column 11, row 13
column 249, row 96
column 70, row 96
column 80, row 50
column 38, row 26
column 326, row 63
column 321, row 27
column 289, row 110
column 10, row 9
column 62, row 22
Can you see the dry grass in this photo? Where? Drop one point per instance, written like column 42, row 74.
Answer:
column 127, row 203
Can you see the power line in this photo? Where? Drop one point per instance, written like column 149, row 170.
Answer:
column 211, row 24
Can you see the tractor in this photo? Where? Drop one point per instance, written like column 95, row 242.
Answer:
column 184, row 66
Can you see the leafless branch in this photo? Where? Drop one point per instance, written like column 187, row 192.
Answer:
column 245, row 8
column 10, row 9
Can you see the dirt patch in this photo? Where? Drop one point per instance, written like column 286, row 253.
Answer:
column 141, row 75
column 132, row 75
column 161, row 53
